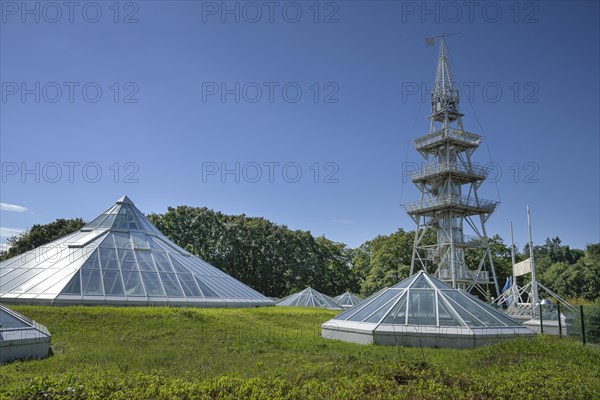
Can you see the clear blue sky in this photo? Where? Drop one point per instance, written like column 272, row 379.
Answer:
column 532, row 70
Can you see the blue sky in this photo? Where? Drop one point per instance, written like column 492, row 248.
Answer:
column 204, row 104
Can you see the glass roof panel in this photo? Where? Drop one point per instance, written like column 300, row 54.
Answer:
column 108, row 259
column 437, row 283
column 140, row 241
column 122, row 240
column 133, row 283
column 127, row 259
column 190, row 289
column 108, row 221
column 379, row 314
column 466, row 315
column 421, row 307
column 145, row 262
column 447, row 317
column 179, row 267
column 420, row 282
column 74, row 285
column 405, row 283
column 94, row 223
column 397, row 314
column 92, row 262
column 206, row 291
column 112, row 283
column 152, row 284
column 162, row 262
column 92, row 283
column 374, row 305
column 108, row 241
column 171, row 284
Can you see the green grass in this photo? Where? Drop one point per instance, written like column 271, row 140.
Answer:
column 184, row 353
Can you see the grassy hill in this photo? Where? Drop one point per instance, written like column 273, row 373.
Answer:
column 185, row 353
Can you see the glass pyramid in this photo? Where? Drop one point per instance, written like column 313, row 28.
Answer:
column 423, row 311
column 309, row 297
column 347, row 300
column 120, row 258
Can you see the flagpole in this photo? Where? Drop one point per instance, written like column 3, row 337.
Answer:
column 512, row 257
column 534, row 287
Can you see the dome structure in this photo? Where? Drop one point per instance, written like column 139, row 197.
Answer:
column 309, row 297
column 347, row 300
column 120, row 258
column 21, row 337
column 422, row 311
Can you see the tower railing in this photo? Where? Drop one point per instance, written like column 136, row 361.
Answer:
column 456, row 135
column 440, row 168
column 449, row 200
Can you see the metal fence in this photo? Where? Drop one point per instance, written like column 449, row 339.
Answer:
column 580, row 322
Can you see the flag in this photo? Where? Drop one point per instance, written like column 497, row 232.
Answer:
column 429, row 42
column 507, row 285
column 522, row 268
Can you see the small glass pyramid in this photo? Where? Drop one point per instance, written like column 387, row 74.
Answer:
column 309, row 297
column 347, row 300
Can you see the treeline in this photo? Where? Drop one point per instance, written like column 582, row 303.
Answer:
column 277, row 261
column 268, row 257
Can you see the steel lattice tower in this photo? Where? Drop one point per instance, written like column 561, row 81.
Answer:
column 449, row 202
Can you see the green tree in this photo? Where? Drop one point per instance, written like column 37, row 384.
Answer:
column 389, row 261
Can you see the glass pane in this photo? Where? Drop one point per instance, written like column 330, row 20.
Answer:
column 352, row 311
column 179, row 267
column 74, row 286
column 481, row 312
column 153, row 286
column 133, row 283
column 145, row 261
column 161, row 261
column 92, row 262
column 171, row 285
column 139, row 241
column 153, row 244
column 466, row 315
column 189, row 285
column 108, row 258
column 108, row 241
column 404, row 284
column 127, row 259
column 94, row 224
column 397, row 314
column 122, row 241
column 92, row 284
column 121, row 222
column 420, row 282
column 206, row 291
column 382, row 311
column 438, row 284
column 107, row 223
column 421, row 307
column 446, row 316
column 112, row 283
column 375, row 305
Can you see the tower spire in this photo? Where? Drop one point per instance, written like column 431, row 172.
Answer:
column 445, row 96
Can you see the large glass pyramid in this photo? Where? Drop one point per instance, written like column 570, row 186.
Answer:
column 120, row 258
column 347, row 300
column 309, row 297
column 423, row 311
